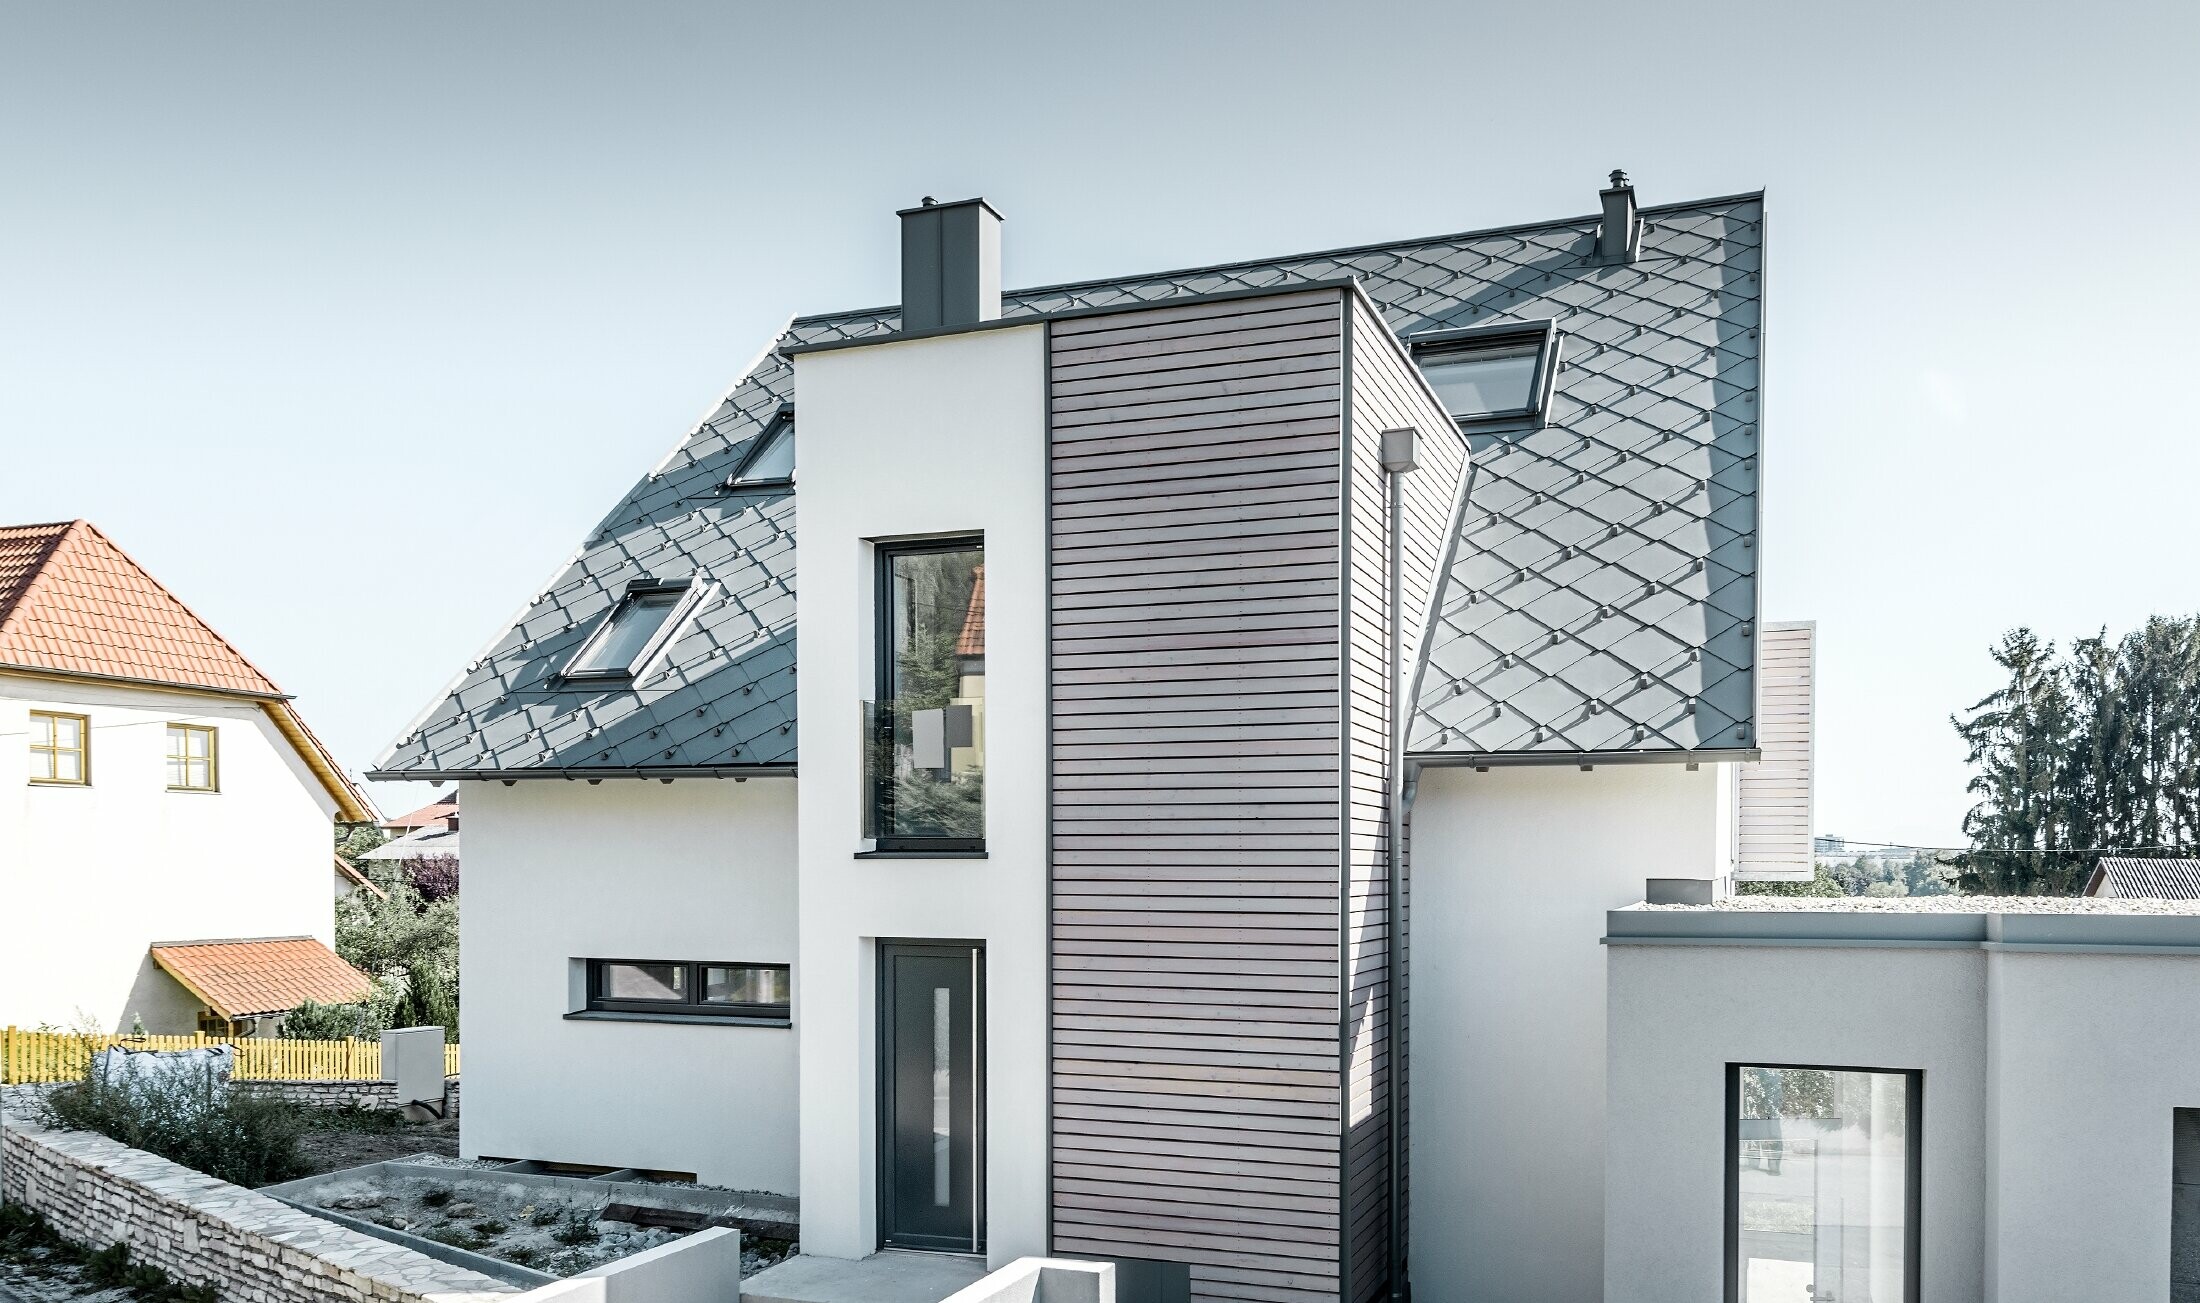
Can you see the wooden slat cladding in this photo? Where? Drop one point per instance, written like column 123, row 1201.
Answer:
column 1221, row 769
column 1385, row 393
column 1196, row 581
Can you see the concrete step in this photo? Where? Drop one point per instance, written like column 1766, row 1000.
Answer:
column 888, row 1277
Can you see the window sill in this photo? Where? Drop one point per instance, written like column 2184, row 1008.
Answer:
column 920, row 855
column 678, row 1019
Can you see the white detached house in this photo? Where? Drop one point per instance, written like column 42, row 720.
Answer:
column 164, row 810
column 1050, row 906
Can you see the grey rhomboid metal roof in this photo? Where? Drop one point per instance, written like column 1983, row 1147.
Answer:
column 1602, row 599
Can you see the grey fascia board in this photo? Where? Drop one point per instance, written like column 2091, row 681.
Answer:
column 1345, row 251
column 1494, row 759
column 1988, row 930
column 579, row 773
column 1066, row 314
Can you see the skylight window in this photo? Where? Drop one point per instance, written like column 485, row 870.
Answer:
column 643, row 624
column 1491, row 373
column 771, row 461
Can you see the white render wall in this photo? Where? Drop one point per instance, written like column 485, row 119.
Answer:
column 1512, row 872
column 2051, row 1075
column 2091, row 1053
column 111, row 868
column 906, row 439
column 1680, row 1014
column 557, row 872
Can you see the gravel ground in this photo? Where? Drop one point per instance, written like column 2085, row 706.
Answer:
column 1942, row 905
column 332, row 1149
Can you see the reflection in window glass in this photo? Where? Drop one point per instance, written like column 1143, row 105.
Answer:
column 927, row 762
column 644, row 981
column 1489, row 380
column 760, row 984
column 1823, row 1161
column 633, row 623
column 773, row 459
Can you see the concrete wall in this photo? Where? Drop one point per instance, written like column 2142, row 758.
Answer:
column 110, row 868
column 701, row 1268
column 925, row 437
column 1680, row 1014
column 1513, row 870
column 556, row 873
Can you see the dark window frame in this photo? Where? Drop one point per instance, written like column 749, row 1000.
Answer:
column 882, row 590
column 1466, row 339
column 694, row 1006
column 781, row 425
column 697, row 594
column 1913, row 1174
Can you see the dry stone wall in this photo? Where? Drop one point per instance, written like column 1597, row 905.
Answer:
column 343, row 1094
column 201, row 1231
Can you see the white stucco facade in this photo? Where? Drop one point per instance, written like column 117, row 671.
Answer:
column 112, row 866
column 696, row 870
column 2054, row 1050
column 1512, row 872
column 900, row 440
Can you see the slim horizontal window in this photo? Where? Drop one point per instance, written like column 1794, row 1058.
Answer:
column 61, row 748
column 1822, row 1184
column 691, row 989
column 1497, row 373
column 194, row 759
column 645, row 621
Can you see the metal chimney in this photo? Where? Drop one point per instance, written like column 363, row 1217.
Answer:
column 1620, row 238
column 950, row 264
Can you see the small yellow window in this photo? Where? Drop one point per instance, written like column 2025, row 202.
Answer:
column 61, row 748
column 193, row 759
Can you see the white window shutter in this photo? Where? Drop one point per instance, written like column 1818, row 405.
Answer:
column 1773, row 805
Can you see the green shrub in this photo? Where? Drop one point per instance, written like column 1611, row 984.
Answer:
column 186, row 1116
column 26, row 1238
column 313, row 1021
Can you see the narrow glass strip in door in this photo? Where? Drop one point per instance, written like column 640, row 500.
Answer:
column 942, row 1097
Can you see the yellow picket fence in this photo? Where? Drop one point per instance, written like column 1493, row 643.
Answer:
column 32, row 1056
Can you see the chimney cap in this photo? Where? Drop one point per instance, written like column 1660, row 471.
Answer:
column 1620, row 181
column 931, row 203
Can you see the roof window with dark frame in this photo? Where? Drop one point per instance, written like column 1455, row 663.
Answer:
column 770, row 463
column 647, row 619
column 1489, row 374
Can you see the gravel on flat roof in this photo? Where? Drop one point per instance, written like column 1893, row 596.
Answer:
column 1938, row 905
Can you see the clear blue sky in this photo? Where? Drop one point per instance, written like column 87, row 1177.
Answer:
column 350, row 320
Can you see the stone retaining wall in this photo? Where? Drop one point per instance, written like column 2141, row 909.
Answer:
column 343, row 1094
column 201, row 1231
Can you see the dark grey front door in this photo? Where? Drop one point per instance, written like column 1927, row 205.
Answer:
column 932, row 1095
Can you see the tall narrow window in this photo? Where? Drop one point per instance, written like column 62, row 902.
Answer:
column 193, row 759
column 643, row 624
column 61, row 748
column 1822, row 1183
column 1491, row 373
column 925, row 734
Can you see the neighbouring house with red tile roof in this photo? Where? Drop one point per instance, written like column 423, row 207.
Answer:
column 154, row 783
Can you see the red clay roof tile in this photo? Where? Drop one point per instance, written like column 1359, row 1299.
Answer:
column 243, row 979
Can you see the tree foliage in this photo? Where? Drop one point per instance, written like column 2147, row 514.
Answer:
column 2099, row 748
column 408, row 944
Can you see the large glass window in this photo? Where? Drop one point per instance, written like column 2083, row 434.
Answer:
column 1488, row 373
column 696, row 990
column 61, row 748
column 1822, row 1184
column 925, row 733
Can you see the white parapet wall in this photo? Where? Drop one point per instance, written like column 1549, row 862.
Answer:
column 201, row 1231
column 1043, row 1280
column 700, row 1268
